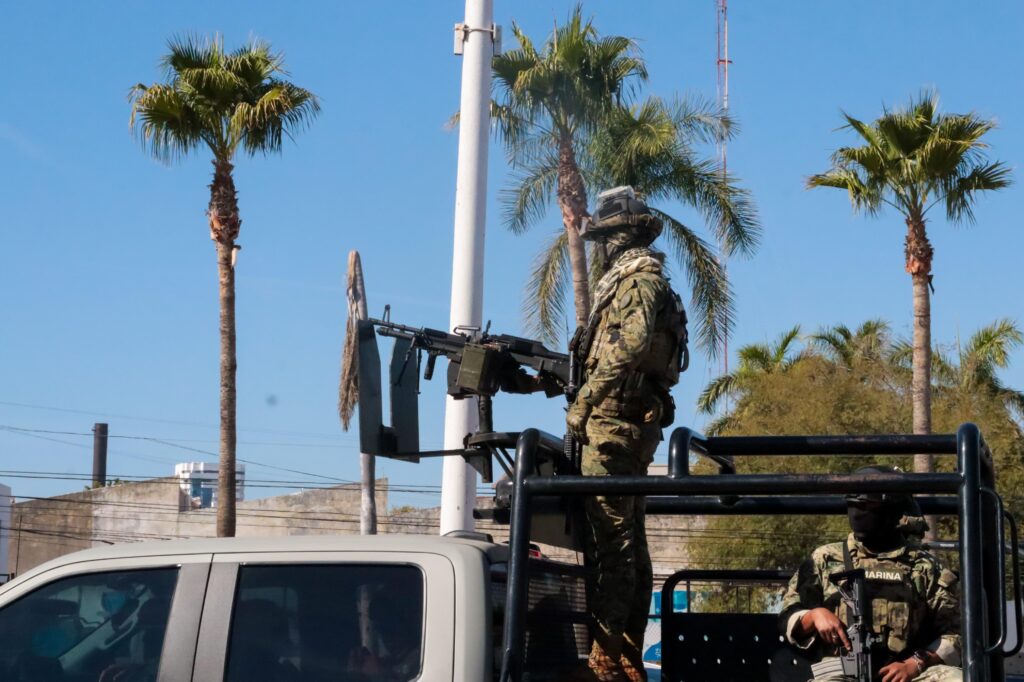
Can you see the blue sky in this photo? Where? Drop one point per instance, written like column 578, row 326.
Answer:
column 108, row 278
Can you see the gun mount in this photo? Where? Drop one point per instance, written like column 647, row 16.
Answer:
column 480, row 365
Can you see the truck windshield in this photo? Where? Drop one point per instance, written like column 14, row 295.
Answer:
column 327, row 622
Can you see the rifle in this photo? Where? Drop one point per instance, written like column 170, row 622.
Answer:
column 858, row 662
column 482, row 364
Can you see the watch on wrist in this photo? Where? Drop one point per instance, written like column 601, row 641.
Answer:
column 921, row 660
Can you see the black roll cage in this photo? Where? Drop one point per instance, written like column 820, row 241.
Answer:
column 969, row 493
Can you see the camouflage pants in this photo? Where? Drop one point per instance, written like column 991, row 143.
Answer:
column 621, row 577
column 936, row 673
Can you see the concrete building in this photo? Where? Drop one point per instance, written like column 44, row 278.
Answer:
column 163, row 509
column 198, row 480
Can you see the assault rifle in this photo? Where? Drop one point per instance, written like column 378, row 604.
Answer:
column 857, row 663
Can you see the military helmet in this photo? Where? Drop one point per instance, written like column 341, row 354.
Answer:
column 897, row 500
column 620, row 212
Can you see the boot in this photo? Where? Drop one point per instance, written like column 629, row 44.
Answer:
column 600, row 668
column 633, row 673
column 632, row 661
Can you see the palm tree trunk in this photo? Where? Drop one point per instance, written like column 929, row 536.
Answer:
column 572, row 200
column 919, row 254
column 224, row 227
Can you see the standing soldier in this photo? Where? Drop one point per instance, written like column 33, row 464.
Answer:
column 631, row 353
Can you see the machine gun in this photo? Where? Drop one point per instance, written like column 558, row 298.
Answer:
column 857, row 663
column 480, row 364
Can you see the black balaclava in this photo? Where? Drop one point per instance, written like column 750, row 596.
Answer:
column 875, row 519
column 876, row 526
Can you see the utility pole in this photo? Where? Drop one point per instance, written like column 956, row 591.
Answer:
column 722, row 63
column 474, row 40
column 99, row 455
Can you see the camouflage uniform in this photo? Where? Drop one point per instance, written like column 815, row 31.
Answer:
column 915, row 602
column 628, row 370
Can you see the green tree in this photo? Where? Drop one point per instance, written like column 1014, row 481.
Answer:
column 821, row 395
column 972, row 371
column 226, row 102
column 652, row 147
column 911, row 160
column 550, row 102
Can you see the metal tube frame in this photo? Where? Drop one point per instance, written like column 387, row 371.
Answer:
column 979, row 516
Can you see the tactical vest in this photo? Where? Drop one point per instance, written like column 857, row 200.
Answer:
column 669, row 355
column 660, row 367
column 898, row 600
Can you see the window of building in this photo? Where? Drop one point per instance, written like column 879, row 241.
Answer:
column 99, row 626
column 352, row 622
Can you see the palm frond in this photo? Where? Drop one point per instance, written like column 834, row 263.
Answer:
column 835, row 341
column 526, row 202
column 757, row 357
column 719, row 426
column 961, row 190
column 546, row 292
column 991, row 345
column 164, row 123
column 702, row 119
column 225, row 100
column 781, row 349
column 913, row 157
column 715, row 392
column 711, row 303
column 901, row 354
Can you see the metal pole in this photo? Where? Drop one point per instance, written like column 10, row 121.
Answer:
column 458, row 486
column 99, row 455
column 972, row 599
column 517, row 587
column 992, row 561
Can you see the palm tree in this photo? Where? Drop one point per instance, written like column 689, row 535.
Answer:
column 651, row 147
column 913, row 159
column 227, row 102
column 870, row 341
column 755, row 360
column 550, row 102
column 972, row 372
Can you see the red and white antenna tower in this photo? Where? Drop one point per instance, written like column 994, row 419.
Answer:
column 722, row 62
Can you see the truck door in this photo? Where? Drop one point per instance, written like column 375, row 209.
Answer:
column 130, row 619
column 311, row 616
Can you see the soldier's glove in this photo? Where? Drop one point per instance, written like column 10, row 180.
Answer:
column 576, row 419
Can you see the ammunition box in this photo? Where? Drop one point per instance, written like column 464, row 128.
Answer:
column 479, row 370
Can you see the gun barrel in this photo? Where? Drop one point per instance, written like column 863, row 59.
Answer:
column 402, row 331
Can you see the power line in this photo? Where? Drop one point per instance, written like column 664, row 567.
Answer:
column 34, row 433
column 300, row 434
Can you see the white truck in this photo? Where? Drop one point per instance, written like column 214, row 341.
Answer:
column 312, row 608
column 464, row 609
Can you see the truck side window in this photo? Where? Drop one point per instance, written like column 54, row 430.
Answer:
column 323, row 622
column 97, row 626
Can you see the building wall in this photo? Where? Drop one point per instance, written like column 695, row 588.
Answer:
column 158, row 510
column 5, row 528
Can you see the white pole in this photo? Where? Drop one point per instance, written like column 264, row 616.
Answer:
column 458, row 486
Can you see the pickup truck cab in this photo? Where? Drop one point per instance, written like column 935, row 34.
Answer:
column 389, row 608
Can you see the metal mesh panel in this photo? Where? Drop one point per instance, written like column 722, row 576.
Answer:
column 557, row 636
column 728, row 647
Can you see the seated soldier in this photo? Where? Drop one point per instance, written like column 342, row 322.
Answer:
column 915, row 601
column 397, row 657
